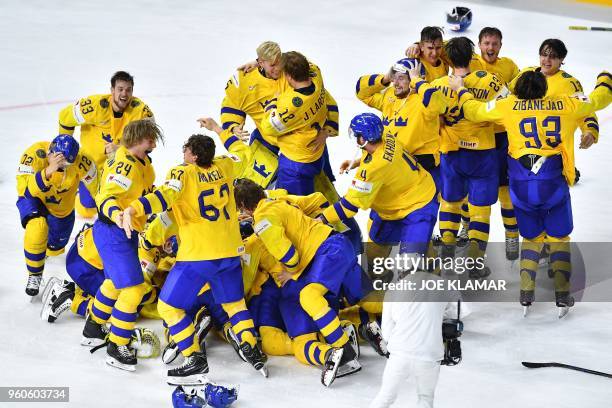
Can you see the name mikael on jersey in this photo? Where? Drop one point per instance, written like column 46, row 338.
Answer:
column 537, row 104
column 210, row 176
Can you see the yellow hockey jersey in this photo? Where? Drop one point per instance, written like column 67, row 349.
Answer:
column 124, row 179
column 541, row 126
column 412, row 120
column 389, row 181
column 433, row 72
column 563, row 83
column 458, row 132
column 250, row 93
column 289, row 235
column 99, row 125
column 257, row 266
column 504, row 68
column 298, row 117
column 87, row 249
column 59, row 192
column 202, row 201
column 153, row 259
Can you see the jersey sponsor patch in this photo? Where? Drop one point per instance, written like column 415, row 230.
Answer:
column 234, row 157
column 466, row 144
column 277, row 122
column 262, row 225
column 91, row 175
column 165, row 219
column 174, row 184
column 23, row 169
column 361, row 186
column 119, row 180
column 148, row 267
column 581, row 97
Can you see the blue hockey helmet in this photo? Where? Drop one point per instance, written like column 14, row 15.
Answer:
column 402, row 66
column 459, row 19
column 368, row 126
column 172, row 245
column 66, row 145
column 180, row 399
column 218, row 396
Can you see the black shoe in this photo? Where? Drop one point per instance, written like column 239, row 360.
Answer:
column 255, row 357
column 122, row 357
column 94, row 334
column 191, row 372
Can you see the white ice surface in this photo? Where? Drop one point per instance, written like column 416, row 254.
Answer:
column 181, row 54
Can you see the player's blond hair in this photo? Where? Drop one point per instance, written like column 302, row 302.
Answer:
column 269, row 51
column 139, row 130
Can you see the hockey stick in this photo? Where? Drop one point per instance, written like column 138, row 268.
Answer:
column 585, row 28
column 571, row 367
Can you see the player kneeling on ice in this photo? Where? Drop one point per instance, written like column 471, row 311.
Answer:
column 316, row 261
column 412, row 321
column 48, row 178
column 540, row 167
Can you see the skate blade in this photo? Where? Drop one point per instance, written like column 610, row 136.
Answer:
column 194, row 380
column 114, row 363
column 328, row 377
column 168, row 356
column 45, row 314
column 563, row 311
column 47, row 289
column 87, row 342
column 525, row 311
column 349, row 368
column 264, row 371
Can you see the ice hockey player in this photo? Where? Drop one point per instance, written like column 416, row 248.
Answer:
column 48, row 177
column 200, row 193
column 408, row 115
column 124, row 178
column 316, row 261
column 540, row 135
column 400, row 192
column 301, row 121
column 102, row 119
column 469, row 163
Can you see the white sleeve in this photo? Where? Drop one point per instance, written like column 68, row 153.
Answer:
column 387, row 320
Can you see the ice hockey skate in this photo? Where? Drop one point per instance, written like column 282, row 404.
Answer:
column 351, row 332
column 563, row 301
column 372, row 334
column 33, row 286
column 192, row 372
column 94, row 334
column 57, row 298
column 202, row 327
column 255, row 357
column 512, row 248
column 122, row 357
column 339, row 362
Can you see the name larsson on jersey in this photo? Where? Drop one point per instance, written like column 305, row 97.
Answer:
column 317, row 106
